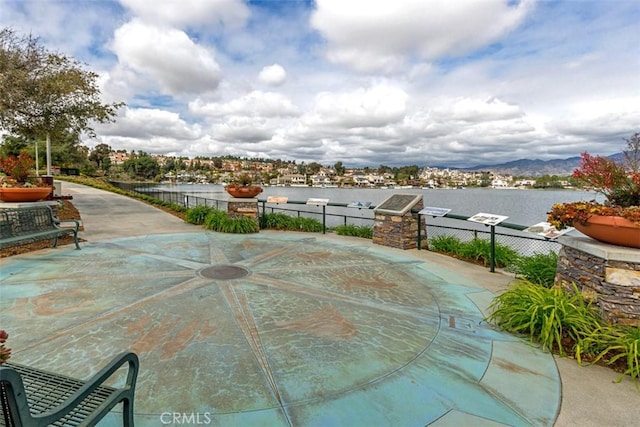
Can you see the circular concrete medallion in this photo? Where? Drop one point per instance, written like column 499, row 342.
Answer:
column 224, row 272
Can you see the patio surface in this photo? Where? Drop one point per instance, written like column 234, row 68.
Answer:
column 276, row 329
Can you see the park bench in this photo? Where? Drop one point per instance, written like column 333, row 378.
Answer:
column 19, row 226
column 32, row 397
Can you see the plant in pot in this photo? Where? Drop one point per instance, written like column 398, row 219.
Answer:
column 617, row 220
column 5, row 352
column 16, row 185
column 243, row 187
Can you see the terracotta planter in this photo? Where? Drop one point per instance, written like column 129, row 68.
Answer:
column 243, row 192
column 19, row 194
column 611, row 229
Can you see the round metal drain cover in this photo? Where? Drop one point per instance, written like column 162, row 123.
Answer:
column 224, row 272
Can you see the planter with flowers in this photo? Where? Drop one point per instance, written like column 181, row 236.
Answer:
column 5, row 352
column 243, row 187
column 17, row 185
column 617, row 220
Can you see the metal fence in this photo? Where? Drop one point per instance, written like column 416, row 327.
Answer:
column 333, row 214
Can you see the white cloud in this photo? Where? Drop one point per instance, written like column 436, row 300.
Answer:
column 245, row 121
column 254, row 104
column 243, row 130
column 377, row 106
column 151, row 130
column 476, row 110
column 370, row 35
column 273, row 75
column 231, row 14
column 168, row 56
column 142, row 123
column 599, row 122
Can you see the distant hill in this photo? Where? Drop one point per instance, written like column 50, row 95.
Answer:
column 529, row 167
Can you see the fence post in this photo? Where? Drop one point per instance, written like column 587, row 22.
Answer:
column 324, row 219
column 264, row 213
column 419, row 232
column 493, row 249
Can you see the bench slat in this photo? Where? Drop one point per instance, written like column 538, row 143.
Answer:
column 46, row 391
column 58, row 400
column 25, row 225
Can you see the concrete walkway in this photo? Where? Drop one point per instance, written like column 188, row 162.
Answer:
column 396, row 339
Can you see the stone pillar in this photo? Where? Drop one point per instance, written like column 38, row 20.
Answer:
column 248, row 207
column 399, row 229
column 607, row 275
column 48, row 181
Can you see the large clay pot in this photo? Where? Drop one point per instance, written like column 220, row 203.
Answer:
column 611, row 229
column 243, row 192
column 24, row 194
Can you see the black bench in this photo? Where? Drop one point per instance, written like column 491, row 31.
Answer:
column 20, row 226
column 31, row 397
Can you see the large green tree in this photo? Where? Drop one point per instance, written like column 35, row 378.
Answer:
column 44, row 94
column 100, row 155
column 313, row 168
column 142, row 165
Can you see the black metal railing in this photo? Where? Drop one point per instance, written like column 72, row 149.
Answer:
column 332, row 214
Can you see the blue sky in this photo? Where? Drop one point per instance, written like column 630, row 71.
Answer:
column 365, row 82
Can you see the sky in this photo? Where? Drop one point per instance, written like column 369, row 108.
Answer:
column 364, row 82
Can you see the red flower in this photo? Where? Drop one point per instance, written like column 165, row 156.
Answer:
column 619, row 182
column 19, row 167
column 563, row 215
column 5, row 352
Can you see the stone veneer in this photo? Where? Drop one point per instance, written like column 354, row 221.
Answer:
column 606, row 274
column 237, row 207
column 399, row 231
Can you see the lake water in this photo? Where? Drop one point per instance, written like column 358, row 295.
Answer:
column 524, row 207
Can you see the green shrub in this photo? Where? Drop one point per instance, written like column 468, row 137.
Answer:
column 239, row 225
column 613, row 343
column 479, row 250
column 505, row 255
column 538, row 268
column 214, row 219
column 307, row 224
column 280, row 221
column 363, row 231
column 476, row 250
column 176, row 207
column 445, row 244
column 198, row 214
column 547, row 315
column 276, row 221
column 218, row 220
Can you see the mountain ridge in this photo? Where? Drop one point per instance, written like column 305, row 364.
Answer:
column 534, row 167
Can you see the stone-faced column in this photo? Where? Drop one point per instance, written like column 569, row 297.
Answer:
column 248, row 207
column 396, row 225
column 606, row 275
